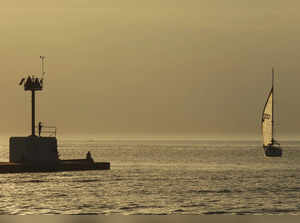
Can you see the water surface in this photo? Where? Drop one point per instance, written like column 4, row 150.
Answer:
column 160, row 177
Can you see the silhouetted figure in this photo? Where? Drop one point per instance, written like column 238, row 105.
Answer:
column 40, row 128
column 89, row 156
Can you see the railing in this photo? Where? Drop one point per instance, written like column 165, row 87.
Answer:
column 47, row 131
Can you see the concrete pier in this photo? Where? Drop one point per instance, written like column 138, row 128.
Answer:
column 62, row 165
column 39, row 154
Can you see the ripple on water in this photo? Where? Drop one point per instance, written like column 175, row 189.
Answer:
column 215, row 212
column 87, row 180
column 222, row 191
column 33, row 181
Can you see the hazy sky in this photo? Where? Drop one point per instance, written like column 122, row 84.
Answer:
column 187, row 68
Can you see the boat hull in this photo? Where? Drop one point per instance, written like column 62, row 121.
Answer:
column 62, row 165
column 273, row 151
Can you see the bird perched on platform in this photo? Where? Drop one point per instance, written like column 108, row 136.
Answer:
column 21, row 82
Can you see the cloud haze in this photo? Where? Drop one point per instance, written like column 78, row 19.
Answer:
column 151, row 68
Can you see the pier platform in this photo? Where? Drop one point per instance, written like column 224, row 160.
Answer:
column 62, row 165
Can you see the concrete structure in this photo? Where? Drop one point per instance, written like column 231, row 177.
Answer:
column 33, row 149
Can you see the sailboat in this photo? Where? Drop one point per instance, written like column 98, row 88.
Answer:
column 270, row 145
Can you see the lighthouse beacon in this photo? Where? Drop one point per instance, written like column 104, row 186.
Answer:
column 34, row 148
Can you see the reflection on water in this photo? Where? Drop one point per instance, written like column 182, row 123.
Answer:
column 160, row 177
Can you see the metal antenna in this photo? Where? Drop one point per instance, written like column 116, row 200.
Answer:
column 43, row 71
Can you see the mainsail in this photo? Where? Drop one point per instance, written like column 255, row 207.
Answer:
column 267, row 120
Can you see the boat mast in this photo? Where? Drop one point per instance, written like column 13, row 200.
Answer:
column 272, row 105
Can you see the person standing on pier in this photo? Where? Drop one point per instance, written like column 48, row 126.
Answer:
column 40, row 128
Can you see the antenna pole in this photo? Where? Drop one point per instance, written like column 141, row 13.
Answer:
column 43, row 71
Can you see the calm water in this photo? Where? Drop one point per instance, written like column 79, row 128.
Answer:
column 161, row 177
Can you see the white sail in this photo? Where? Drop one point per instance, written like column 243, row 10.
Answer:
column 267, row 120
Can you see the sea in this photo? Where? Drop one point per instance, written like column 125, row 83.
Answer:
column 160, row 177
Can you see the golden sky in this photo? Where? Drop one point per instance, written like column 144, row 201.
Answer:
column 190, row 68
